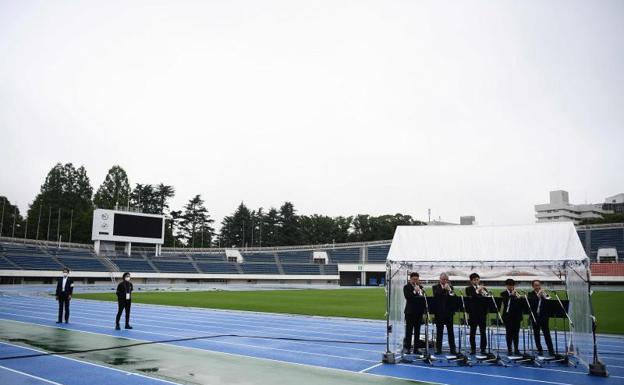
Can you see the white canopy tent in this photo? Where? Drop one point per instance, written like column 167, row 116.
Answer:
column 496, row 253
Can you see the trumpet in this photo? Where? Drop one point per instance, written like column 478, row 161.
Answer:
column 482, row 290
column 543, row 293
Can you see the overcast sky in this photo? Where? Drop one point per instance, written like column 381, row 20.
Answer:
column 342, row 107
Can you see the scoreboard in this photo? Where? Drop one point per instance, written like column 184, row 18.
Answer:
column 124, row 226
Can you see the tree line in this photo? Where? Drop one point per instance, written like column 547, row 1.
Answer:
column 63, row 211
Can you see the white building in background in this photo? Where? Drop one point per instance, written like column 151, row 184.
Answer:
column 560, row 209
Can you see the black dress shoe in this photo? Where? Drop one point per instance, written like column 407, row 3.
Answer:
column 128, row 327
column 483, row 352
column 472, row 352
column 58, row 322
column 417, row 352
column 438, row 352
column 517, row 353
column 117, row 327
column 509, row 352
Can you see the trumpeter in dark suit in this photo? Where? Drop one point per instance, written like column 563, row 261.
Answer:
column 477, row 313
column 444, row 313
column 124, row 299
column 64, row 291
column 512, row 316
column 414, row 308
column 538, row 298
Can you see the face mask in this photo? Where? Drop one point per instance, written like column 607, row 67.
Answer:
column 127, row 279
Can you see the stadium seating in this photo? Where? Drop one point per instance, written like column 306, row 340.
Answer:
column 216, row 257
column 330, row 269
column 82, row 264
column 259, row 257
column 174, row 267
column 346, row 255
column 6, row 265
column 34, row 263
column 607, row 269
column 607, row 238
column 133, row 265
column 295, row 256
column 217, row 267
column 301, row 269
column 259, row 268
column 377, row 254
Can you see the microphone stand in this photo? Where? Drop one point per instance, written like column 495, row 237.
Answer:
column 427, row 356
column 530, row 358
column 564, row 358
column 497, row 358
column 462, row 358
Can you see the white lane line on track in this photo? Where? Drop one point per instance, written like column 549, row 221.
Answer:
column 30, row 375
column 149, row 323
column 208, row 341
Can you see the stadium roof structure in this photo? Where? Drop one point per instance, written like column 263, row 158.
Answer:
column 540, row 242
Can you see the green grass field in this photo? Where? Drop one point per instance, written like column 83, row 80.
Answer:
column 353, row 303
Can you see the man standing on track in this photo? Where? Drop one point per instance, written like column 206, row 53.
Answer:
column 414, row 309
column 444, row 312
column 512, row 316
column 538, row 298
column 64, row 291
column 124, row 292
column 477, row 313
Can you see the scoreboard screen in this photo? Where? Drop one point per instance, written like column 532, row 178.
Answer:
column 137, row 226
column 125, row 226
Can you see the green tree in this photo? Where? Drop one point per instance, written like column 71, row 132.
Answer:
column 62, row 210
column 114, row 191
column 289, row 233
column 236, row 229
column 163, row 193
column 195, row 223
column 11, row 221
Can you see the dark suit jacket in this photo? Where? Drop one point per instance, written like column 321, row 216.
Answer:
column 537, row 305
column 414, row 304
column 69, row 287
column 122, row 289
column 443, row 307
column 512, row 306
column 477, row 310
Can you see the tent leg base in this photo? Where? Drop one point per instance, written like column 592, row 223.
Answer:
column 388, row 358
column 598, row 369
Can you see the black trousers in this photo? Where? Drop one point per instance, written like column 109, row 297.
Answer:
column 542, row 324
column 481, row 324
column 440, row 323
column 123, row 304
column 63, row 302
column 412, row 330
column 512, row 331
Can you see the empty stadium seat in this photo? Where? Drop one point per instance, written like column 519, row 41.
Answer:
column 347, row 255
column 174, row 267
column 132, row 265
column 82, row 264
column 258, row 257
column 217, row 267
column 259, row 268
column 35, row 263
column 301, row 269
column 295, row 256
column 377, row 254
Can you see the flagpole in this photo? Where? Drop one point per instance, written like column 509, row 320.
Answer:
column 71, row 222
column 58, row 226
column 38, row 221
column 2, row 220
